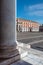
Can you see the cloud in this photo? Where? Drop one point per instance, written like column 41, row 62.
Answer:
column 36, row 7
column 36, row 10
column 36, row 13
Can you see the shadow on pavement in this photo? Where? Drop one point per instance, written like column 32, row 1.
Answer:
column 38, row 46
column 21, row 63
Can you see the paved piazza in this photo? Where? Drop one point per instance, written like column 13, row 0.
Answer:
column 26, row 35
column 34, row 54
column 35, row 39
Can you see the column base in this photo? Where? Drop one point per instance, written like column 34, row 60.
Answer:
column 10, row 60
column 8, row 54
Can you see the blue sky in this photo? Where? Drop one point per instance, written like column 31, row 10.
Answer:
column 30, row 10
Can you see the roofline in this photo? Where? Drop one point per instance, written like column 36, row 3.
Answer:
column 27, row 20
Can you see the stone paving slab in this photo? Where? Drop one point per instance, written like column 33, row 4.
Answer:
column 25, row 35
column 29, row 37
column 38, row 46
column 29, row 56
column 33, row 56
column 34, row 59
column 29, row 40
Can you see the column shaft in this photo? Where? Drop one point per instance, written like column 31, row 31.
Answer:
column 8, row 45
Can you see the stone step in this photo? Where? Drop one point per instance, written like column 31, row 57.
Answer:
column 34, row 57
column 22, row 52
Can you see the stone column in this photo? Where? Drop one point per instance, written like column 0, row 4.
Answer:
column 8, row 45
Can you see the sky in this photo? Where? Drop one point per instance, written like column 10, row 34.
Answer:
column 30, row 10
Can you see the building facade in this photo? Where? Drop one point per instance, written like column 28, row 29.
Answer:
column 41, row 29
column 26, row 25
